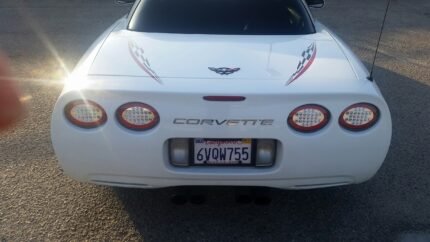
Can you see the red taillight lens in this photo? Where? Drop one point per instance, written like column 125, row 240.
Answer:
column 85, row 114
column 359, row 117
column 137, row 116
column 309, row 118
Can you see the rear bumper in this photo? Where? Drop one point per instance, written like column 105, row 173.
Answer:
column 156, row 182
column 113, row 155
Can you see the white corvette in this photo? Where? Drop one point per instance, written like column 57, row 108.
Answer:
column 221, row 92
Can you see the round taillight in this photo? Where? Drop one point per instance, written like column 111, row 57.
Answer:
column 309, row 118
column 137, row 116
column 359, row 117
column 85, row 114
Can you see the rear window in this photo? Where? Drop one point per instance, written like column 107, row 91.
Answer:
column 223, row 17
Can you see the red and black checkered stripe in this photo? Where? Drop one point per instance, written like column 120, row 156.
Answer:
column 308, row 58
column 138, row 55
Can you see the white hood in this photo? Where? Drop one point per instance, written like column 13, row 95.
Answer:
column 126, row 53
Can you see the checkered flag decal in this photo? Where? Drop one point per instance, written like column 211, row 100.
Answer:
column 224, row 70
column 138, row 55
column 308, row 58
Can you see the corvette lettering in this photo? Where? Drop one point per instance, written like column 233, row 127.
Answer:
column 226, row 122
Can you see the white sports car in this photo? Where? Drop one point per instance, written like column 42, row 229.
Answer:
column 221, row 92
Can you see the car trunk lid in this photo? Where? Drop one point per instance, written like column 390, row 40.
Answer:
column 167, row 56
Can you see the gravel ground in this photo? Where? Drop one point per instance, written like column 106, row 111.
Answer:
column 45, row 39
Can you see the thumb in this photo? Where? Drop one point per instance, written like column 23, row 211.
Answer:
column 10, row 105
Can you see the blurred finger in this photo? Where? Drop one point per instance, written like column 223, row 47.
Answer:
column 10, row 105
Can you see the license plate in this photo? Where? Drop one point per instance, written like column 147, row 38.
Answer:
column 222, row 152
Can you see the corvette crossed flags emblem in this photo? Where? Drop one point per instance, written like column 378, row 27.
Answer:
column 224, row 70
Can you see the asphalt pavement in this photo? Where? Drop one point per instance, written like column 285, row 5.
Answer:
column 44, row 40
